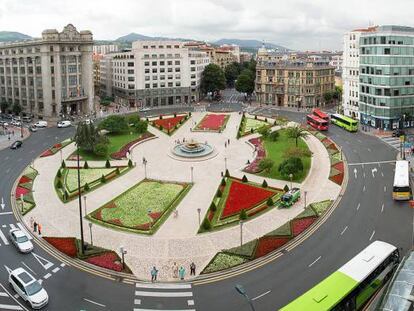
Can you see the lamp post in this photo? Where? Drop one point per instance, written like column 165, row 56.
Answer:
column 21, row 199
column 21, row 125
column 241, row 232
column 305, row 193
column 80, row 204
column 240, row 289
column 225, row 163
column 149, row 215
column 192, row 174
column 291, row 177
column 123, row 253
column 199, row 216
column 145, row 167
column 90, row 231
column 84, row 204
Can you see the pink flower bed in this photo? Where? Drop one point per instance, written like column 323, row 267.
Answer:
column 47, row 153
column 168, row 123
column 107, row 260
column 24, row 179
column 261, row 154
column 212, row 122
column 121, row 154
column 300, row 225
column 21, row 191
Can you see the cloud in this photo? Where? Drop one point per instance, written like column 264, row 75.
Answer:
column 298, row 24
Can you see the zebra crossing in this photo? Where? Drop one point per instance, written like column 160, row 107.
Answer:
column 394, row 142
column 158, row 296
column 7, row 301
column 4, row 231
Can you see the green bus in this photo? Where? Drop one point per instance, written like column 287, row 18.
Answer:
column 350, row 287
column 347, row 123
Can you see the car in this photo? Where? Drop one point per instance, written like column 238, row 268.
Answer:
column 27, row 119
column 398, row 133
column 88, row 121
column 20, row 240
column 62, row 124
column 32, row 128
column 28, row 288
column 41, row 124
column 16, row 123
column 145, row 109
column 17, row 144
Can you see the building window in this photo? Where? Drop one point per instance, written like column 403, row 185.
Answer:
column 147, row 85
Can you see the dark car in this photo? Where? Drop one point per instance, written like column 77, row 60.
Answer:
column 17, row 144
column 398, row 133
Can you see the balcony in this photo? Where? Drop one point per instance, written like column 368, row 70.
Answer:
column 74, row 98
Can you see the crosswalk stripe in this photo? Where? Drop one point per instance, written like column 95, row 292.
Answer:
column 10, row 307
column 163, row 294
column 24, row 230
column 2, row 294
column 3, row 238
column 12, row 226
column 162, row 286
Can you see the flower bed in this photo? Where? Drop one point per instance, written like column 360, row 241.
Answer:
column 65, row 245
column 24, row 189
column 253, row 167
column 55, row 148
column 269, row 244
column 212, row 122
column 300, row 225
column 142, row 208
column 109, row 260
column 223, row 261
column 170, row 124
column 121, row 154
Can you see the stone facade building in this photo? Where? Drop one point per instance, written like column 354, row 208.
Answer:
column 51, row 76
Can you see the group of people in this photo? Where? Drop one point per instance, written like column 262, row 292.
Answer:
column 36, row 227
column 178, row 272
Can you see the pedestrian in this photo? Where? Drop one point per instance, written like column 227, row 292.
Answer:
column 34, row 226
column 31, row 222
column 192, row 268
column 225, row 144
column 39, row 229
column 181, row 273
column 228, row 141
column 154, row 273
column 175, row 270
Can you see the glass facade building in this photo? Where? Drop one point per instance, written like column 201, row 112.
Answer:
column 386, row 77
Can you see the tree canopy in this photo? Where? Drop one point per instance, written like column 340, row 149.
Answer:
column 245, row 82
column 114, row 124
column 87, row 136
column 297, row 132
column 231, row 72
column 212, row 79
column 16, row 108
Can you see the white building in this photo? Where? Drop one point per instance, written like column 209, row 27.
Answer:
column 155, row 73
column 50, row 76
column 336, row 61
column 105, row 49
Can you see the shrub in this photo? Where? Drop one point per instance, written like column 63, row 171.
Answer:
column 244, row 179
column 86, row 165
column 251, row 130
column 286, row 188
column 291, row 166
column 213, row 207
column 189, row 113
column 264, row 183
column 219, row 194
column 114, row 124
column 266, row 164
column 227, row 174
column 130, row 163
column 108, row 164
column 265, row 119
column 63, row 165
column 65, row 195
column 175, row 114
column 161, row 127
column 269, row 202
column 86, row 187
column 100, row 149
column 59, row 173
column 296, row 152
column 264, row 131
column 255, row 117
column 273, row 136
column 223, row 182
column 275, row 122
column 117, row 171
column 103, row 180
column 206, row 224
column 243, row 214
column 59, row 184
column 160, row 117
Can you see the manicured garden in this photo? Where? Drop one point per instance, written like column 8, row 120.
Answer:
column 66, row 180
column 268, row 243
column 142, row 208
column 56, row 148
column 238, row 199
column 24, row 196
column 249, row 125
column 213, row 123
column 169, row 124
column 94, row 255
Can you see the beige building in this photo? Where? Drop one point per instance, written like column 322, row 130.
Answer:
column 292, row 83
column 50, row 76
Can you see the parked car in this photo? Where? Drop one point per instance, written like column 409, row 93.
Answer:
column 88, row 121
column 20, row 240
column 32, row 128
column 27, row 287
column 27, row 119
column 41, row 124
column 62, row 124
column 398, row 133
column 16, row 123
column 17, row 144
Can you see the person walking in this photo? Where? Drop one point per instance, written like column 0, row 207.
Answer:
column 192, row 268
column 175, row 270
column 154, row 273
column 31, row 222
column 39, row 229
column 34, row 226
column 181, row 273
column 228, row 141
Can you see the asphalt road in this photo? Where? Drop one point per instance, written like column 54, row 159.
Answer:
column 366, row 213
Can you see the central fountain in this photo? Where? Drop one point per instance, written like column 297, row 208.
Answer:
column 192, row 149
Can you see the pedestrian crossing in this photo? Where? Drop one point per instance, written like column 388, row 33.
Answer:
column 4, row 232
column 394, row 142
column 8, row 302
column 167, row 296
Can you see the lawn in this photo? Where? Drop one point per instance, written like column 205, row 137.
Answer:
column 275, row 151
column 86, row 176
column 142, row 208
column 250, row 126
column 213, row 122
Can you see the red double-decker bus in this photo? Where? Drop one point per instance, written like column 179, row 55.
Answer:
column 316, row 122
column 320, row 114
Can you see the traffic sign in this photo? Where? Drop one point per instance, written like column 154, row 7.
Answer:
column 412, row 204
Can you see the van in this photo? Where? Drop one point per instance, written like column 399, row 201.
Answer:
column 41, row 124
column 62, row 124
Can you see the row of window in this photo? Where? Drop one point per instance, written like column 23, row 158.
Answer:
column 387, row 81
column 379, row 50
column 168, row 46
column 385, row 60
column 398, row 40
column 36, row 49
column 162, row 85
column 387, row 71
column 146, row 56
column 365, row 89
column 162, row 63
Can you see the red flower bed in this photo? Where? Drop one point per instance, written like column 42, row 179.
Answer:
column 333, row 147
column 121, row 154
column 57, row 146
column 143, row 226
column 338, row 179
column 213, row 122
column 65, row 245
column 111, row 205
column 98, row 215
column 261, row 154
column 115, row 221
column 300, row 225
column 243, row 196
column 24, row 179
column 339, row 166
column 269, row 244
column 258, row 210
column 210, row 215
column 155, row 215
column 21, row 191
column 168, row 123
column 46, row 153
column 107, row 260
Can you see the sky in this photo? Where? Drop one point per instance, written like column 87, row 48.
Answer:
column 296, row 24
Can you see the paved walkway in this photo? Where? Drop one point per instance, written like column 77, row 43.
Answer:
column 177, row 239
column 5, row 142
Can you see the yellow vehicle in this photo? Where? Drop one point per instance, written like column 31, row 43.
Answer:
column 401, row 190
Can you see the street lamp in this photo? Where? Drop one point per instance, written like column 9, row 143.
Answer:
column 192, row 174
column 199, row 216
column 305, row 197
column 21, row 199
column 241, row 232
column 149, row 215
column 225, row 163
column 90, row 231
column 291, row 177
column 145, row 166
column 84, row 204
column 21, row 125
column 123, row 253
column 240, row 289
column 80, row 203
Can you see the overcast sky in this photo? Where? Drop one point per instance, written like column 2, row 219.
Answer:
column 296, row 24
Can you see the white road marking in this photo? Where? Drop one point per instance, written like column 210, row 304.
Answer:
column 355, row 173
column 382, row 174
column 364, row 174
column 23, row 263
column 16, row 296
column 367, row 163
column 10, row 307
column 46, row 276
column 261, row 295
column 190, row 302
column 12, row 226
column 56, row 270
column 46, row 264
column 382, row 207
column 137, row 301
column 343, row 231
column 95, row 303
column 363, row 189
column 162, row 286
column 315, row 261
column 385, row 188
column 359, row 141
column 359, row 205
column 21, row 308
column 3, row 238
column 163, row 294
column 369, row 149
column 62, row 265
column 7, row 171
column 5, row 213
column 3, row 294
column 372, row 235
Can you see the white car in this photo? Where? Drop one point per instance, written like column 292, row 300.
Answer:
column 20, row 240
column 16, row 123
column 41, row 124
column 27, row 287
column 62, row 124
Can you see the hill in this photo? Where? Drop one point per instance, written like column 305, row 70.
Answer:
column 6, row 36
column 255, row 44
column 138, row 37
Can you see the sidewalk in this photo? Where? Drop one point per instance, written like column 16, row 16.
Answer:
column 4, row 139
column 177, row 239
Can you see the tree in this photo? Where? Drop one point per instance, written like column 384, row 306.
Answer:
column 87, row 136
column 269, row 202
column 297, row 132
column 4, row 106
column 273, row 136
column 244, row 179
column 286, row 188
column 243, row 214
column 86, row 187
column 103, row 179
column 291, row 166
column 114, row 124
column 328, row 97
column 59, row 174
column 86, row 165
column 337, row 93
column 231, row 72
column 139, row 126
column 213, row 207
column 245, row 82
column 63, row 165
column 266, row 164
column 107, row 164
column 130, row 165
column 16, row 108
column 212, row 79
column 219, row 194
column 264, row 131
column 227, row 174
column 264, row 183
column 59, row 184
column 206, row 224
column 101, row 148
column 223, row 182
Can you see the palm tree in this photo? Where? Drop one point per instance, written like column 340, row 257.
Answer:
column 297, row 132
